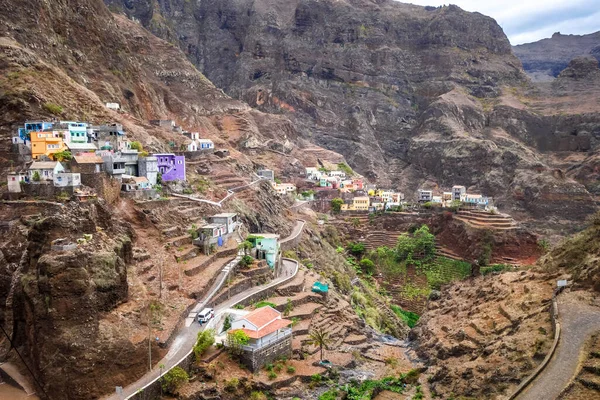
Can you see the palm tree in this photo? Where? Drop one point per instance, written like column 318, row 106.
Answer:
column 319, row 337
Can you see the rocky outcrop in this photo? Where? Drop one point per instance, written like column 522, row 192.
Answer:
column 546, row 58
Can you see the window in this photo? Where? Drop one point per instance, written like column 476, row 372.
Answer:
column 179, row 162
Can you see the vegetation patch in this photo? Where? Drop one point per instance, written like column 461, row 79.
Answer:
column 409, row 317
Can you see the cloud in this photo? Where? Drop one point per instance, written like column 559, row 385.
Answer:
column 526, row 21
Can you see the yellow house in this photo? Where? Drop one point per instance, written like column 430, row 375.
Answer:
column 361, row 203
column 46, row 143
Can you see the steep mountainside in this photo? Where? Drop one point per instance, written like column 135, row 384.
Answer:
column 410, row 95
column 544, row 59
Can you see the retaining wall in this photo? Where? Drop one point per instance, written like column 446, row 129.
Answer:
column 291, row 242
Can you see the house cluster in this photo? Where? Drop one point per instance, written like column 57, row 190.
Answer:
column 372, row 200
column 71, row 153
column 280, row 188
column 193, row 141
column 457, row 194
column 334, row 179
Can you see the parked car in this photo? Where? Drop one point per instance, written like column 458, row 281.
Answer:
column 205, row 315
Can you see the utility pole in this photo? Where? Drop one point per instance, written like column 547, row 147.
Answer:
column 149, row 336
column 160, row 277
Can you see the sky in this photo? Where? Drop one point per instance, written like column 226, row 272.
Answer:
column 526, row 21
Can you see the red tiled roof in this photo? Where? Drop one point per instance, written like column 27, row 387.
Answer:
column 262, row 316
column 268, row 329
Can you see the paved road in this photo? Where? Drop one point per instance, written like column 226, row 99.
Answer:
column 219, row 203
column 183, row 343
column 578, row 322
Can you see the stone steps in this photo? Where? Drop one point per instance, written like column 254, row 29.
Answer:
column 355, row 339
column 305, row 311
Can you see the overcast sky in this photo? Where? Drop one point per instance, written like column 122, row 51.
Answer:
column 527, row 21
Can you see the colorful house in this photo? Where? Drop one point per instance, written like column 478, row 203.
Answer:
column 210, row 235
column 33, row 126
column 171, row 167
column 361, row 203
column 458, row 192
column 267, row 247
column 313, row 173
column 45, row 170
column 75, row 132
column 270, row 336
column 358, row 184
column 46, row 143
column 284, row 188
column 205, row 144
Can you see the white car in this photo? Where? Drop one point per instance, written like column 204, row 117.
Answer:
column 205, row 315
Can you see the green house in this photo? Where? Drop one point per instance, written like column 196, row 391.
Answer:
column 267, row 247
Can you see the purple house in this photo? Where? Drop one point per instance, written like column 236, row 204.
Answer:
column 171, row 167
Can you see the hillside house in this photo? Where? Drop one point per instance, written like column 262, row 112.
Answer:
column 192, row 135
column 191, row 145
column 163, row 123
column 171, row 167
column 67, row 179
column 205, row 144
column 270, row 336
column 14, row 180
column 81, row 148
column 313, row 174
column 45, row 169
column 284, row 188
column 424, row 196
column 74, row 132
column 358, row 184
column 458, row 192
column 337, row 174
column 211, row 235
column 477, row 200
column 231, row 221
column 109, row 136
column 148, row 167
column 133, row 183
column 266, row 247
column 446, row 197
column 121, row 163
column 436, row 199
column 113, row 106
column 358, row 203
column 46, row 143
column 87, row 164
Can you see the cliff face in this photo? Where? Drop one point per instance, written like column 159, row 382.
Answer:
column 410, row 96
column 546, row 58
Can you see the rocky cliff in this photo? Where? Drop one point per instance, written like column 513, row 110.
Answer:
column 546, row 58
column 410, row 95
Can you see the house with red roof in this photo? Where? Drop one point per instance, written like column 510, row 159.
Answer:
column 270, row 336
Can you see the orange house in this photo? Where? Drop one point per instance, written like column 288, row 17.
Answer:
column 46, row 143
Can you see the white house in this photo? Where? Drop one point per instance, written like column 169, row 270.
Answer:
column 425, row 195
column 205, row 144
column 113, row 106
column 338, row 174
column 192, row 145
column 313, row 173
column 283, row 188
column 45, row 169
column 14, row 180
column 263, row 326
column 67, row 179
column 458, row 192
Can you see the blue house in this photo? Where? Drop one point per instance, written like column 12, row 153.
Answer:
column 267, row 247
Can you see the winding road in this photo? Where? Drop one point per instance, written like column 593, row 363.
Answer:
column 182, row 345
column 579, row 320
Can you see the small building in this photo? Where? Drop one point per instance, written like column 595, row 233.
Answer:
column 266, row 174
column 447, row 197
column 113, row 106
column 458, row 192
column 192, row 135
column 14, row 180
column 81, row 148
column 361, row 203
column 163, row 123
column 45, row 170
column 148, row 167
column 133, row 183
column 338, row 174
column 229, row 220
column 171, row 167
column 87, row 164
column 191, row 145
column 425, row 196
column 205, row 144
column 121, row 163
column 270, row 337
column 267, row 247
column 67, row 179
column 358, row 184
column 436, row 199
column 313, row 173
column 211, row 235
column 46, row 143
column 284, row 188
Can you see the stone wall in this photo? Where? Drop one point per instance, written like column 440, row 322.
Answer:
column 254, row 360
column 291, row 242
column 45, row 190
column 147, row 194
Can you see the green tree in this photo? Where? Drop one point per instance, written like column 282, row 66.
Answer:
column 135, row 145
column 227, row 323
column 174, row 379
column 64, row 155
column 356, row 249
column 424, row 241
column 367, row 266
column 319, row 337
column 246, row 245
column 205, row 339
column 336, row 204
column 235, row 341
column 36, row 176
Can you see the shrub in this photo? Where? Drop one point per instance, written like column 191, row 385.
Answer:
column 174, row 379
column 205, row 339
column 36, row 176
column 269, row 367
column 336, row 204
column 231, row 385
column 264, row 304
column 53, row 108
column 278, row 367
column 135, row 145
column 410, row 377
column 271, row 375
column 329, row 395
column 239, row 307
column 289, row 306
column 410, row 318
column 64, row 155
column 258, row 396
column 227, row 323
column 246, row 261
column 356, row 249
column 235, row 341
column 367, row 266
column 316, row 378
column 291, row 369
